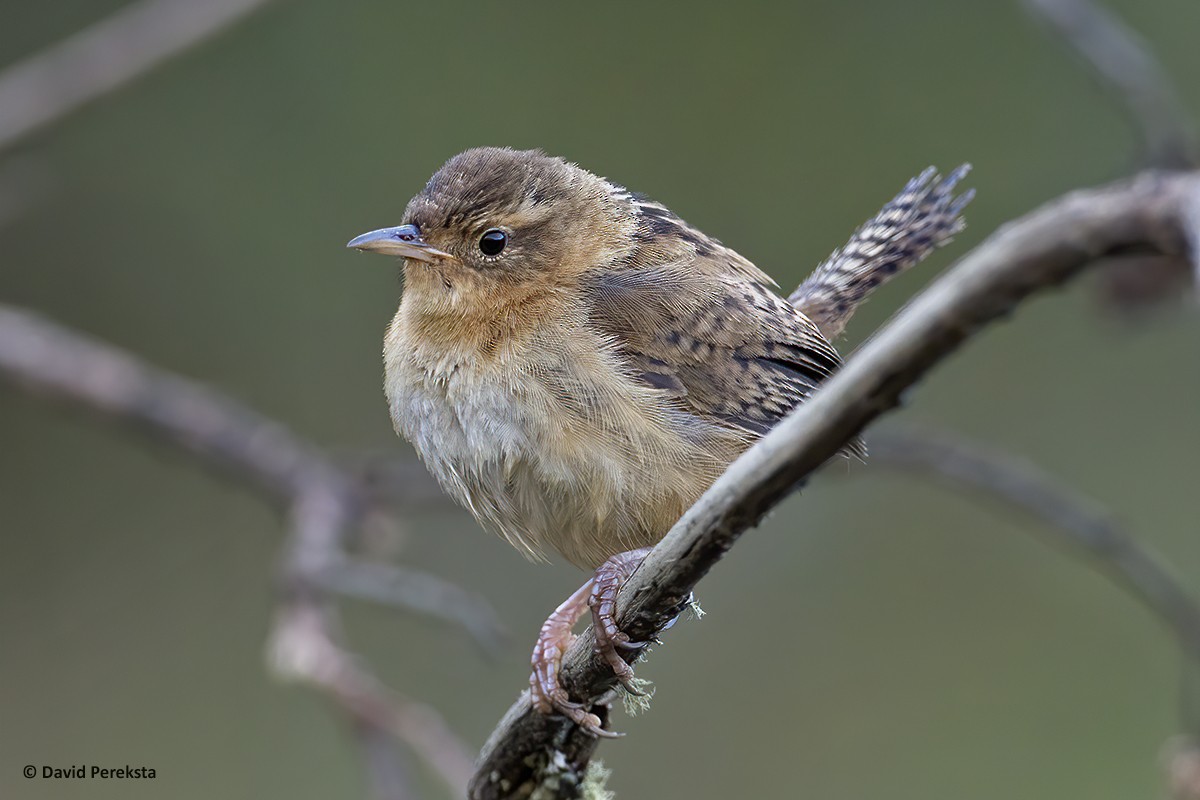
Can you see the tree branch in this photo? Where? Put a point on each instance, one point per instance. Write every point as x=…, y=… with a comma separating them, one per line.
x=48, y=359
x=1074, y=522
x=1127, y=69
x=413, y=590
x=528, y=751
x=1084, y=530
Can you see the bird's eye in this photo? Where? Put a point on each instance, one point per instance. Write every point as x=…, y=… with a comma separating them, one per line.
x=492, y=242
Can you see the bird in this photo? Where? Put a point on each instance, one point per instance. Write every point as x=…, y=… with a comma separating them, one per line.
x=576, y=364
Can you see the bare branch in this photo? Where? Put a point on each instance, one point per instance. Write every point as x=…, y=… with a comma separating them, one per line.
x=1124, y=65
x=1083, y=529
x=389, y=779
x=412, y=590
x=104, y=57
x=1191, y=214
x=303, y=648
x=1181, y=760
x=1038, y=251
x=324, y=502
x=1126, y=68
x=49, y=359
x=1075, y=522
x=405, y=482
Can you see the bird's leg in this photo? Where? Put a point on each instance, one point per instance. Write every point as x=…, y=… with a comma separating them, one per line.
x=555, y=637
x=600, y=595
x=608, y=579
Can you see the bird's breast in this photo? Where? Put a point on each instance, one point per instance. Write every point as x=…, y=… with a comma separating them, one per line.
x=554, y=446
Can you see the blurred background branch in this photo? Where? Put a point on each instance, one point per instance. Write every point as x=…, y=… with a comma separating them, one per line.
x=134, y=40
x=324, y=503
x=1125, y=66
x=1078, y=525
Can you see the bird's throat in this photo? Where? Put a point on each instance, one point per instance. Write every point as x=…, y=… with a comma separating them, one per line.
x=475, y=319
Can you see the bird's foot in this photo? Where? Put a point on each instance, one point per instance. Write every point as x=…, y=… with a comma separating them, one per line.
x=547, y=693
x=600, y=595
x=611, y=641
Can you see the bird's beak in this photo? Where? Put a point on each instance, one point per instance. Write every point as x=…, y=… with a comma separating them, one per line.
x=404, y=241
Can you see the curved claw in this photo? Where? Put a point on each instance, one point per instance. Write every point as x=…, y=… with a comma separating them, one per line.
x=563, y=705
x=584, y=719
x=602, y=733
x=634, y=647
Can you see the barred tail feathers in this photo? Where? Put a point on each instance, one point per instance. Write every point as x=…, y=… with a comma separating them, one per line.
x=924, y=216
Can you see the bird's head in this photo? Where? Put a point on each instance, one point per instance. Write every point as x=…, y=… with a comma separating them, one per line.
x=494, y=222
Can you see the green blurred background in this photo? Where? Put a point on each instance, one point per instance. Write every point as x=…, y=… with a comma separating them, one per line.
x=878, y=636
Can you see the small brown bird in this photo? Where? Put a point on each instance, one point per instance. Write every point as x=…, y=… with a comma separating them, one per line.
x=576, y=365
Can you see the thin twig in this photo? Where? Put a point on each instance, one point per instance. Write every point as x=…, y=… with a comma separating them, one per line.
x=388, y=776
x=409, y=589
x=1077, y=523
x=1191, y=214
x=1181, y=760
x=304, y=648
x=1125, y=66
x=104, y=57
x=324, y=504
x=403, y=481
x=1036, y=252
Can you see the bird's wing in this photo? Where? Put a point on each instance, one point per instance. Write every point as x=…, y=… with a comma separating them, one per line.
x=706, y=331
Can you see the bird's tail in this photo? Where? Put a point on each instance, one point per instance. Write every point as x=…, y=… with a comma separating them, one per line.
x=924, y=216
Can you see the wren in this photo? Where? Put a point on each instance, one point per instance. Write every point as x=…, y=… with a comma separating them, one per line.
x=576, y=365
